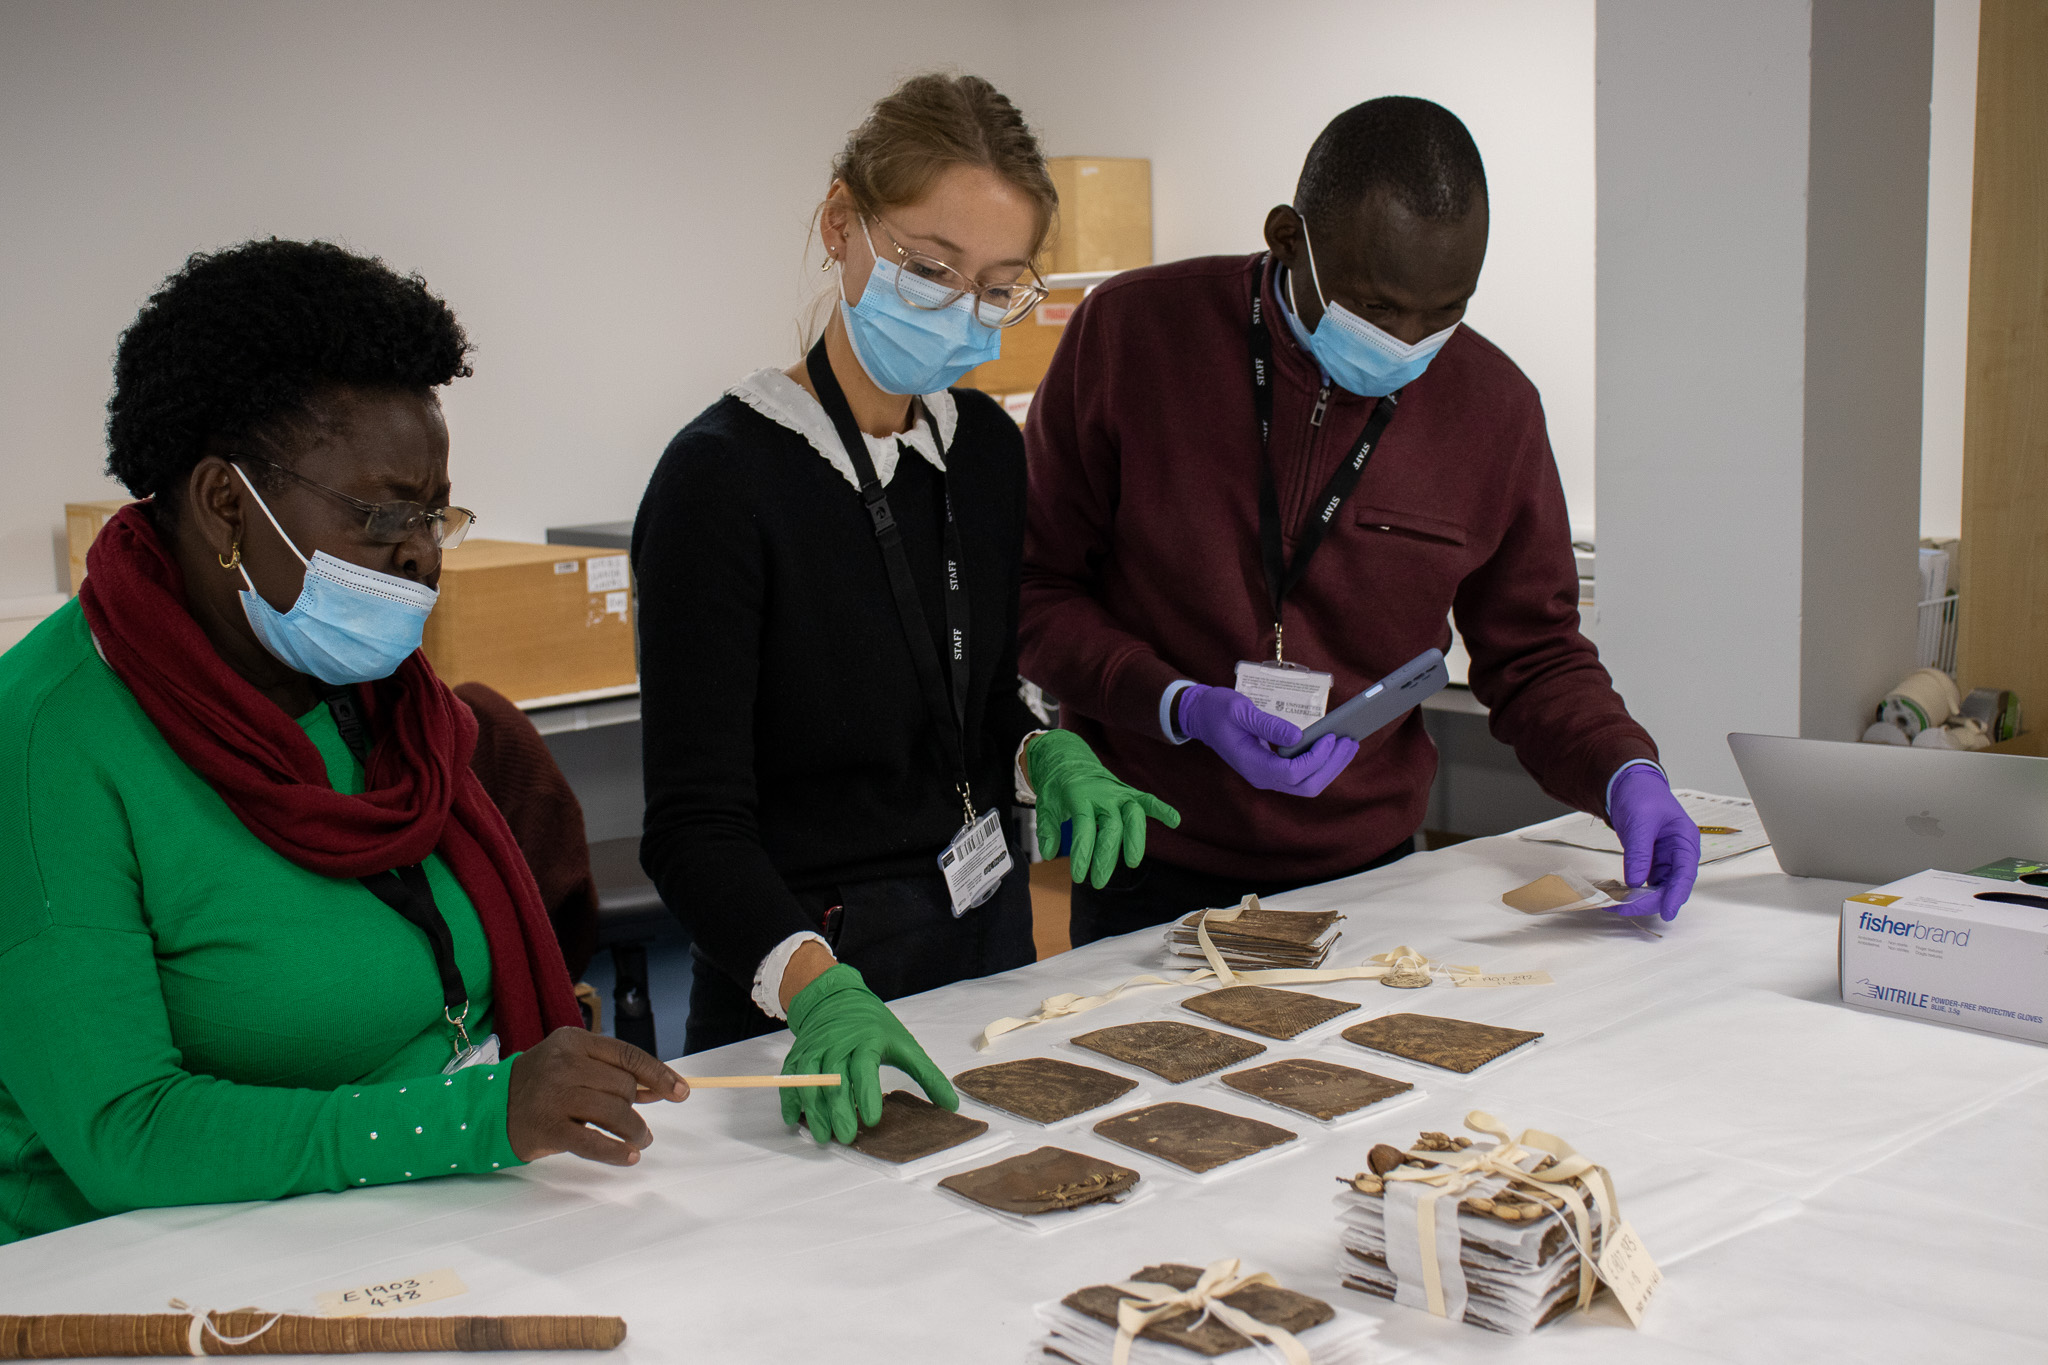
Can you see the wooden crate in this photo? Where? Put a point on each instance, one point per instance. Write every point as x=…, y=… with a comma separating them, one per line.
x=1027, y=348
x=533, y=621
x=82, y=522
x=1105, y=213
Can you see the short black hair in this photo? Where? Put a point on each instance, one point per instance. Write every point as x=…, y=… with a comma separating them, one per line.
x=241, y=343
x=1414, y=149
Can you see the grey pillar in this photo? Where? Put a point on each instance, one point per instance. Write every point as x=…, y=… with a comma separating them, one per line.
x=1762, y=256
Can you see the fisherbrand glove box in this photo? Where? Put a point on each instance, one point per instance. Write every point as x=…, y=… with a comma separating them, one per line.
x=1952, y=948
x=533, y=621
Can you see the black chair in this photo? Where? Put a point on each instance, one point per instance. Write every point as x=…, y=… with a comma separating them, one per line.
x=630, y=916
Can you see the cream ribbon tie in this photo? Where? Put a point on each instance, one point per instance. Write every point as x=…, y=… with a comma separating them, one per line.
x=1149, y=1302
x=1456, y=1172
x=203, y=1324
x=1373, y=968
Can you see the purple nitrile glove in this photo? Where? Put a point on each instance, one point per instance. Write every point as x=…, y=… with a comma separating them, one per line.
x=1660, y=845
x=1225, y=719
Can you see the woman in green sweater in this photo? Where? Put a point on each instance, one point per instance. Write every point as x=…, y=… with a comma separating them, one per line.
x=261, y=932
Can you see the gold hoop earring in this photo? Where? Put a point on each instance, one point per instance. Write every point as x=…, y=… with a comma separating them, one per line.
x=233, y=558
x=825, y=264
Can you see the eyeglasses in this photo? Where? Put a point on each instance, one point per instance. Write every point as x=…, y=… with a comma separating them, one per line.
x=995, y=305
x=391, y=523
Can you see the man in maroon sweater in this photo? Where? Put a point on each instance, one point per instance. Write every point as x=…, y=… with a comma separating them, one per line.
x=1146, y=590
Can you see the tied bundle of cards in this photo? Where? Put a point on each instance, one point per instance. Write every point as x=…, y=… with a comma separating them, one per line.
x=1256, y=937
x=1508, y=1255
x=1082, y=1328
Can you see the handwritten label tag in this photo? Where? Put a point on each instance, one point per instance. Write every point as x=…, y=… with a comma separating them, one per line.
x=615, y=603
x=371, y=1299
x=605, y=573
x=1505, y=979
x=1626, y=1267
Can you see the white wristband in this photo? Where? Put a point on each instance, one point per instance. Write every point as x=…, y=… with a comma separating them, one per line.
x=768, y=976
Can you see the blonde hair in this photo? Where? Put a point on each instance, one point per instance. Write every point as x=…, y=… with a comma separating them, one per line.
x=917, y=132
x=931, y=123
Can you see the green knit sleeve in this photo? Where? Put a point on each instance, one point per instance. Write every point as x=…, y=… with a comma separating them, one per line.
x=98, y=1103
x=86, y=1054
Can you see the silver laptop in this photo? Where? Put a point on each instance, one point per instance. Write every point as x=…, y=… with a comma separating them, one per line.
x=1873, y=813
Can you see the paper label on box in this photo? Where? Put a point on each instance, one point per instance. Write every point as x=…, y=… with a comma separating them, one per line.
x=1055, y=314
x=1626, y=1267
x=615, y=603
x=1505, y=979
x=370, y=1299
x=607, y=573
x=568, y=565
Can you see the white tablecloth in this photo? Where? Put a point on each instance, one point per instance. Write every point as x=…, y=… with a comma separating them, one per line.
x=1817, y=1182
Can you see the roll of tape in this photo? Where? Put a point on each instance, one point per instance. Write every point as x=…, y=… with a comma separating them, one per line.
x=1923, y=700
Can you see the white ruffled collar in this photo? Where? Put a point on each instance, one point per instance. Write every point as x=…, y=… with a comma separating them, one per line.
x=787, y=403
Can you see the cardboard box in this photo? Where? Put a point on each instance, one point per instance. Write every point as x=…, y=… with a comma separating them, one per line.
x=533, y=621
x=1105, y=213
x=1952, y=948
x=1027, y=348
x=82, y=522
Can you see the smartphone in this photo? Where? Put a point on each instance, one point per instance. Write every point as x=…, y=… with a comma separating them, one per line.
x=1380, y=705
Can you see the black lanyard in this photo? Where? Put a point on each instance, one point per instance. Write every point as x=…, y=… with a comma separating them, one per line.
x=1280, y=575
x=949, y=718
x=405, y=889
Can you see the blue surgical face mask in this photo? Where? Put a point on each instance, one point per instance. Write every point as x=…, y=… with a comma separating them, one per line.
x=350, y=624
x=911, y=350
x=1360, y=357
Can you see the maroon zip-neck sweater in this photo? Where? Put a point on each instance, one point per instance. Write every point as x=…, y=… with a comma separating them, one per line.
x=1141, y=565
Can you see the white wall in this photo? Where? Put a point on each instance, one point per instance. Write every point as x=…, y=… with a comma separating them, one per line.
x=614, y=196
x=1951, y=159
x=1226, y=98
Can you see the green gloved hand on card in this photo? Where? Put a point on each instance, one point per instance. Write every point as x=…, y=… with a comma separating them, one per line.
x=838, y=1024
x=1108, y=814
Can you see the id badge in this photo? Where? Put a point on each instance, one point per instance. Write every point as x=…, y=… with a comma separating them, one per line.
x=476, y=1054
x=1292, y=692
x=976, y=862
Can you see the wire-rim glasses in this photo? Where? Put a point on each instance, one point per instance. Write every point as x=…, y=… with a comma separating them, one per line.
x=995, y=305
x=391, y=523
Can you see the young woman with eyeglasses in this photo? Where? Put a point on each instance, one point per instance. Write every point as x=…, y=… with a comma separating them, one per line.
x=828, y=563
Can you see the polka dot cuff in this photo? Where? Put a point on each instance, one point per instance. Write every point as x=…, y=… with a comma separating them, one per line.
x=396, y=1131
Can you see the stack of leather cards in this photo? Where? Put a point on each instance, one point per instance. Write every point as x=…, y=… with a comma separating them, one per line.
x=1517, y=1261
x=1260, y=938
x=1081, y=1329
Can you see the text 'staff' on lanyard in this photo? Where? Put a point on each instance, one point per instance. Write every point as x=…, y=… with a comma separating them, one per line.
x=407, y=891
x=1281, y=576
x=976, y=861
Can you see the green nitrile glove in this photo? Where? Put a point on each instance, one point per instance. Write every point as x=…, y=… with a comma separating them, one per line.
x=840, y=1025
x=1073, y=785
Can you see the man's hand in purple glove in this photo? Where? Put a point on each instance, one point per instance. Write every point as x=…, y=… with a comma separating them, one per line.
x=1660, y=845
x=1225, y=719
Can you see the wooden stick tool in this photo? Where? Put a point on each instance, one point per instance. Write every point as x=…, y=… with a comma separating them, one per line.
x=246, y=1332
x=827, y=1078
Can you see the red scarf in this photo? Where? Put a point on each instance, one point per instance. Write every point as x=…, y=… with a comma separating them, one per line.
x=420, y=796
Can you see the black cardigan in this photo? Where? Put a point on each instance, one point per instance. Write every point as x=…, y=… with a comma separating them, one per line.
x=787, y=744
